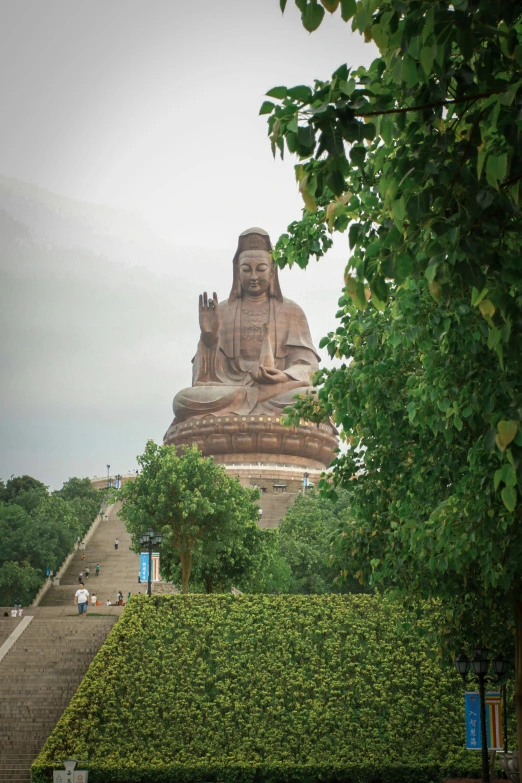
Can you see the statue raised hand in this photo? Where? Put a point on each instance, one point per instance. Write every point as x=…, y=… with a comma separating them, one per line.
x=208, y=319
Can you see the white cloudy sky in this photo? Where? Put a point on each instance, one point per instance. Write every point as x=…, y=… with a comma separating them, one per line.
x=149, y=112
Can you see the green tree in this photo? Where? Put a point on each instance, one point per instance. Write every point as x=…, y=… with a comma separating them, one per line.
x=419, y=157
x=234, y=557
x=18, y=582
x=304, y=541
x=194, y=504
x=42, y=538
x=18, y=485
x=84, y=499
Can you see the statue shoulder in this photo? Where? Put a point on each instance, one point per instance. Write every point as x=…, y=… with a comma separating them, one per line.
x=293, y=307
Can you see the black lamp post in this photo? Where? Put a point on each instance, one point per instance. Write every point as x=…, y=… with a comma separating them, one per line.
x=479, y=666
x=150, y=539
x=108, y=476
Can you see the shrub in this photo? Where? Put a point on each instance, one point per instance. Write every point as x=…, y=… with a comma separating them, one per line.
x=273, y=688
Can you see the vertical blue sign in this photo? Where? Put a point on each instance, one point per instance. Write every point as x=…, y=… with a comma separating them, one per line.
x=493, y=721
x=144, y=566
x=472, y=703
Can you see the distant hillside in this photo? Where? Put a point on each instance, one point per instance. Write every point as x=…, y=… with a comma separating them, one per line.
x=64, y=223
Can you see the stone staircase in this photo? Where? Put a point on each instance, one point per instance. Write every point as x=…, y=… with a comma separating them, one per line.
x=45, y=665
x=274, y=508
x=38, y=677
x=119, y=568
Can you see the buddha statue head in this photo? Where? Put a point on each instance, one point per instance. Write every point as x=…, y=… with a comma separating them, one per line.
x=254, y=272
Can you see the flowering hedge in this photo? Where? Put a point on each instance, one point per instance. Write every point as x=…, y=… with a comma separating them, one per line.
x=276, y=688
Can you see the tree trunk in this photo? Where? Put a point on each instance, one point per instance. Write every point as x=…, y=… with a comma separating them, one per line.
x=186, y=568
x=208, y=585
x=518, y=672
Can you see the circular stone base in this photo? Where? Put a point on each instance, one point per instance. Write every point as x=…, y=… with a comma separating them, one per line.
x=256, y=439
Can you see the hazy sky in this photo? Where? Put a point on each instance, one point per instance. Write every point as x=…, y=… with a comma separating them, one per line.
x=149, y=111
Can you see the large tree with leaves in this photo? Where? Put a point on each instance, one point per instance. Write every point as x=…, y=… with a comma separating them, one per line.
x=192, y=501
x=419, y=158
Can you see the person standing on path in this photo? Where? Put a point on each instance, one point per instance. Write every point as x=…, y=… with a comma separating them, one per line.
x=81, y=598
x=87, y=572
x=80, y=577
x=97, y=569
x=116, y=543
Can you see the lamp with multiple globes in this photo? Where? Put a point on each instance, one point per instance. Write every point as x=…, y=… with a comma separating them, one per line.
x=479, y=665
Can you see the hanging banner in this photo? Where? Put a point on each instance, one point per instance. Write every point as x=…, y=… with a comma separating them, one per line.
x=493, y=721
x=144, y=567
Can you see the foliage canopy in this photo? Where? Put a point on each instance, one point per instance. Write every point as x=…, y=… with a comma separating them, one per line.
x=207, y=519
x=418, y=158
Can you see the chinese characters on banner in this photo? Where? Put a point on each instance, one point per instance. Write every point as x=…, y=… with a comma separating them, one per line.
x=493, y=721
x=144, y=567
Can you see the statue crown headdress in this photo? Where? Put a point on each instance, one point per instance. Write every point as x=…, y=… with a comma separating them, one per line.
x=253, y=239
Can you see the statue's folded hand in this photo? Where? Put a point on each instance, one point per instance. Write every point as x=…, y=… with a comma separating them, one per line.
x=269, y=375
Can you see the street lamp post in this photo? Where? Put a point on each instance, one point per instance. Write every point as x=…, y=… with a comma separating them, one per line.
x=479, y=666
x=150, y=539
x=108, y=476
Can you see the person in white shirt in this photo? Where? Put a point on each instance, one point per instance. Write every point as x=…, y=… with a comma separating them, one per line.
x=81, y=598
x=93, y=600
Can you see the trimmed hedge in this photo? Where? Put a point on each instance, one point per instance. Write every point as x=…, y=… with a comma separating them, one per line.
x=273, y=688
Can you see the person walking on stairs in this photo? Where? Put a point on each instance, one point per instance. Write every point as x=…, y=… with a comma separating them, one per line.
x=80, y=577
x=87, y=572
x=81, y=598
x=116, y=543
x=97, y=569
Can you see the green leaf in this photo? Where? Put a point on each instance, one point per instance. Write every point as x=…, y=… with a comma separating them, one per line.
x=496, y=169
x=353, y=234
x=509, y=498
x=398, y=211
x=409, y=72
x=355, y=290
x=277, y=92
x=330, y=5
x=357, y=155
x=312, y=16
x=426, y=59
x=488, y=309
x=509, y=476
x=266, y=107
x=481, y=157
x=282, y=5
x=300, y=93
x=506, y=431
x=477, y=296
x=403, y=267
x=348, y=8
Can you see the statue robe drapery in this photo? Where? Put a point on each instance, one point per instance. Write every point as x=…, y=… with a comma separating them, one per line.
x=222, y=379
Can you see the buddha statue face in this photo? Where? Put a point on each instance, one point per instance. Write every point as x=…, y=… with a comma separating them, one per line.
x=256, y=271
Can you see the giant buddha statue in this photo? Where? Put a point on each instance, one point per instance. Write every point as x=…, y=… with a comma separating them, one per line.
x=255, y=353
